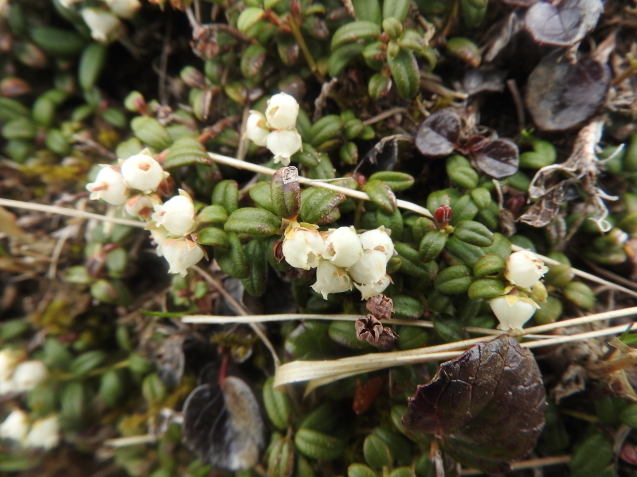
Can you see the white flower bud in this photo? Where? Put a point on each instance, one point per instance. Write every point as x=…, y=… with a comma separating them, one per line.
x=15, y=426
x=142, y=205
x=44, y=433
x=181, y=254
x=303, y=247
x=177, y=215
x=524, y=269
x=9, y=359
x=343, y=247
x=256, y=129
x=109, y=186
x=370, y=268
x=283, y=144
x=282, y=111
x=28, y=375
x=373, y=289
x=378, y=239
x=331, y=279
x=512, y=311
x=123, y=8
x=104, y=25
x=142, y=172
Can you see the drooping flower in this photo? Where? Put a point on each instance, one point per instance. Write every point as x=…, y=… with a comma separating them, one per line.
x=44, y=433
x=9, y=359
x=370, y=268
x=373, y=289
x=331, y=279
x=282, y=111
x=512, y=311
x=181, y=254
x=109, y=186
x=283, y=144
x=378, y=239
x=524, y=269
x=104, y=25
x=256, y=129
x=124, y=8
x=177, y=215
x=159, y=235
x=141, y=205
x=303, y=247
x=343, y=247
x=15, y=426
x=142, y=172
x=29, y=374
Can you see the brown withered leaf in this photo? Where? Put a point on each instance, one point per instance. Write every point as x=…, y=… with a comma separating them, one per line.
x=486, y=407
x=438, y=135
x=546, y=209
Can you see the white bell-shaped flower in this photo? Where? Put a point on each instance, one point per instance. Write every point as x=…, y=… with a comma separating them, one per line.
x=177, y=215
x=282, y=111
x=524, y=269
x=109, y=186
x=256, y=128
x=181, y=254
x=159, y=235
x=142, y=172
x=373, y=289
x=370, y=268
x=15, y=426
x=104, y=25
x=512, y=311
x=378, y=239
x=142, y=205
x=29, y=374
x=9, y=359
x=343, y=247
x=283, y=144
x=303, y=247
x=331, y=279
x=124, y=8
x=44, y=433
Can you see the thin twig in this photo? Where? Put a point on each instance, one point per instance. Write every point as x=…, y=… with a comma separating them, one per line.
x=303, y=180
x=237, y=307
x=131, y=440
x=385, y=114
x=54, y=209
x=528, y=464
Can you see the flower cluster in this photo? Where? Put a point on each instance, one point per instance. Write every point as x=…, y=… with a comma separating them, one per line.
x=276, y=130
x=523, y=271
x=342, y=258
x=133, y=183
x=104, y=22
x=44, y=433
x=18, y=376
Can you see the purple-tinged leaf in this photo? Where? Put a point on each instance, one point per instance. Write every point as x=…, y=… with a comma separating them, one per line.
x=561, y=95
x=438, y=135
x=486, y=407
x=223, y=424
x=520, y=3
x=564, y=24
x=499, y=158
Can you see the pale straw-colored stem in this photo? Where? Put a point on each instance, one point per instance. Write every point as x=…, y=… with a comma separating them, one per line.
x=131, y=440
x=526, y=464
x=54, y=209
x=229, y=161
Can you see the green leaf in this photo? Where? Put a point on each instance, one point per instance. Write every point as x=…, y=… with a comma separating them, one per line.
x=213, y=236
x=367, y=10
x=281, y=459
x=277, y=405
x=255, y=283
x=186, y=151
x=343, y=333
x=473, y=233
x=233, y=261
x=86, y=362
x=381, y=195
x=319, y=206
x=404, y=71
x=151, y=132
x=592, y=456
x=253, y=221
x=395, y=9
x=343, y=56
x=397, y=181
x=248, y=18
x=453, y=280
x=215, y=214
x=321, y=419
x=91, y=64
x=57, y=41
x=316, y=445
x=376, y=452
x=360, y=470
x=226, y=194
x=353, y=31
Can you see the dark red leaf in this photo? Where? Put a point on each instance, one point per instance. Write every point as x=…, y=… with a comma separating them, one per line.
x=564, y=23
x=438, y=135
x=486, y=407
x=561, y=95
x=499, y=158
x=223, y=424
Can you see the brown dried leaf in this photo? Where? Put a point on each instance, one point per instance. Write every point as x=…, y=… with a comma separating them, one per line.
x=486, y=407
x=499, y=158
